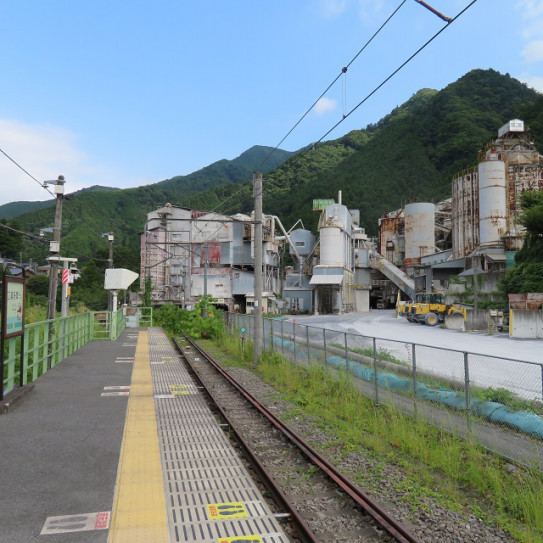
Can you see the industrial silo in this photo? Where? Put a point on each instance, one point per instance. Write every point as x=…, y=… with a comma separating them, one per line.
x=419, y=232
x=492, y=202
x=332, y=243
x=304, y=242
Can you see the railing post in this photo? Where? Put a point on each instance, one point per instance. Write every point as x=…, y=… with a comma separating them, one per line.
x=375, y=370
x=22, y=368
x=324, y=343
x=467, y=390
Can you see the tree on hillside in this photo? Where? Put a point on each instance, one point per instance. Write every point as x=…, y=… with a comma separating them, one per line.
x=89, y=288
x=527, y=275
x=11, y=243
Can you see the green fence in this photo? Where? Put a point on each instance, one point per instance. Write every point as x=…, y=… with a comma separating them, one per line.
x=47, y=343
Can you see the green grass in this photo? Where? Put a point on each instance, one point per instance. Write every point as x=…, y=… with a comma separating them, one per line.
x=456, y=473
x=382, y=354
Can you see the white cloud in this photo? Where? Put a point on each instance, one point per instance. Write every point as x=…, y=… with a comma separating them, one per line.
x=368, y=9
x=533, y=52
x=530, y=8
x=330, y=9
x=324, y=105
x=533, y=81
x=45, y=152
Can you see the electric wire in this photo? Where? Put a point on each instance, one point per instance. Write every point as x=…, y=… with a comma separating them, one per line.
x=345, y=116
x=419, y=50
x=27, y=173
x=334, y=81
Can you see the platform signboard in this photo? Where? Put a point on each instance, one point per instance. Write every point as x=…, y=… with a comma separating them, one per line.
x=13, y=312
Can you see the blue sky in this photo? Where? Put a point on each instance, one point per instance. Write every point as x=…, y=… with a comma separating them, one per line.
x=130, y=93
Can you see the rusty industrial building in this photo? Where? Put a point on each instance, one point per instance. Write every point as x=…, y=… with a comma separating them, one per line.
x=478, y=227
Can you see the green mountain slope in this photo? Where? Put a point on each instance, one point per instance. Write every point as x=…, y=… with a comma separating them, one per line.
x=89, y=213
x=226, y=171
x=411, y=154
x=13, y=209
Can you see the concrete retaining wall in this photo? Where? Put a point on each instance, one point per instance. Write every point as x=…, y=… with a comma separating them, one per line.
x=526, y=323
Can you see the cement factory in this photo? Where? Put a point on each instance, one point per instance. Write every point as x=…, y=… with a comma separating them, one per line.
x=187, y=253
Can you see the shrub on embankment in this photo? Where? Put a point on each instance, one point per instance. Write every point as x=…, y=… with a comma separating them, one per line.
x=176, y=320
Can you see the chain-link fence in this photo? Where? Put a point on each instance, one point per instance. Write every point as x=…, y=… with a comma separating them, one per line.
x=450, y=388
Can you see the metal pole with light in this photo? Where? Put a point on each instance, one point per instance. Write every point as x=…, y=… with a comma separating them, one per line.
x=54, y=246
x=110, y=237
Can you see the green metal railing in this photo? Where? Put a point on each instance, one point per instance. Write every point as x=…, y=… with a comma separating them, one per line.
x=45, y=344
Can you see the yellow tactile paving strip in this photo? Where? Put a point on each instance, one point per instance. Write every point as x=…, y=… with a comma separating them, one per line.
x=139, y=509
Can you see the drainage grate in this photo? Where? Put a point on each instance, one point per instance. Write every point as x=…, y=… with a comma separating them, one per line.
x=209, y=494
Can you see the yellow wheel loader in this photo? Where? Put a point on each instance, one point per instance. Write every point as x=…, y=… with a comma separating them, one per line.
x=430, y=309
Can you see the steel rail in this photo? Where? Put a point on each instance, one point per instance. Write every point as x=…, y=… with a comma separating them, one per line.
x=301, y=530
x=372, y=508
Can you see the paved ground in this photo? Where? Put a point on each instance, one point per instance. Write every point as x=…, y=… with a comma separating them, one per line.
x=59, y=449
x=487, y=369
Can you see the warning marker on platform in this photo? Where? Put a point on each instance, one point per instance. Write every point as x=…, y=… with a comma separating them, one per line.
x=179, y=390
x=216, y=511
x=241, y=539
x=76, y=523
x=115, y=394
x=121, y=387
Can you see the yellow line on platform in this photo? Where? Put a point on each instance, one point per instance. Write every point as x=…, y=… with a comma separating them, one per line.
x=139, y=507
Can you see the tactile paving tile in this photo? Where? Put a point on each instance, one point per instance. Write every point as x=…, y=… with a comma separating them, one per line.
x=209, y=494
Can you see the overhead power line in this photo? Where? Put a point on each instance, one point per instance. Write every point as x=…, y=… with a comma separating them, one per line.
x=302, y=153
x=421, y=48
x=27, y=173
x=334, y=81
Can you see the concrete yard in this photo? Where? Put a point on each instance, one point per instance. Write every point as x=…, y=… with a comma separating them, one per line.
x=493, y=366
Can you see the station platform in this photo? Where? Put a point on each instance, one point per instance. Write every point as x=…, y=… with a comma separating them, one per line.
x=117, y=444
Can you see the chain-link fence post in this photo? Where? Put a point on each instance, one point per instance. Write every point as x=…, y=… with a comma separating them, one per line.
x=375, y=370
x=282, y=339
x=346, y=355
x=272, y=346
x=324, y=343
x=294, y=339
x=264, y=333
x=307, y=339
x=414, y=359
x=467, y=390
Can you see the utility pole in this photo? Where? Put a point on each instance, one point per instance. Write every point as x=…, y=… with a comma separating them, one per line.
x=54, y=247
x=257, y=193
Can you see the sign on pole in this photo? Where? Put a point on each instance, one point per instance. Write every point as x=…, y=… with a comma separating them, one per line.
x=65, y=276
x=13, y=323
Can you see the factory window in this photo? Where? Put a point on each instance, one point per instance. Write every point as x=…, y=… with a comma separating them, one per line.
x=299, y=244
x=236, y=275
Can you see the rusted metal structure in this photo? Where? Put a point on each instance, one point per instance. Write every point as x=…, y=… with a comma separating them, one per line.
x=486, y=200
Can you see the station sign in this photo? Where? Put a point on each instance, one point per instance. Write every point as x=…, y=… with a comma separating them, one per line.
x=13, y=312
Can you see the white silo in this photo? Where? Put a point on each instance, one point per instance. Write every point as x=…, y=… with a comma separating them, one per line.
x=332, y=243
x=492, y=202
x=419, y=231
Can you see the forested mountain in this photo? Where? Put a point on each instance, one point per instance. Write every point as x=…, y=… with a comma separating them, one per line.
x=13, y=209
x=411, y=154
x=90, y=212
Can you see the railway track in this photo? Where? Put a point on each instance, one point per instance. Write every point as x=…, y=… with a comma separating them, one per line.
x=321, y=503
